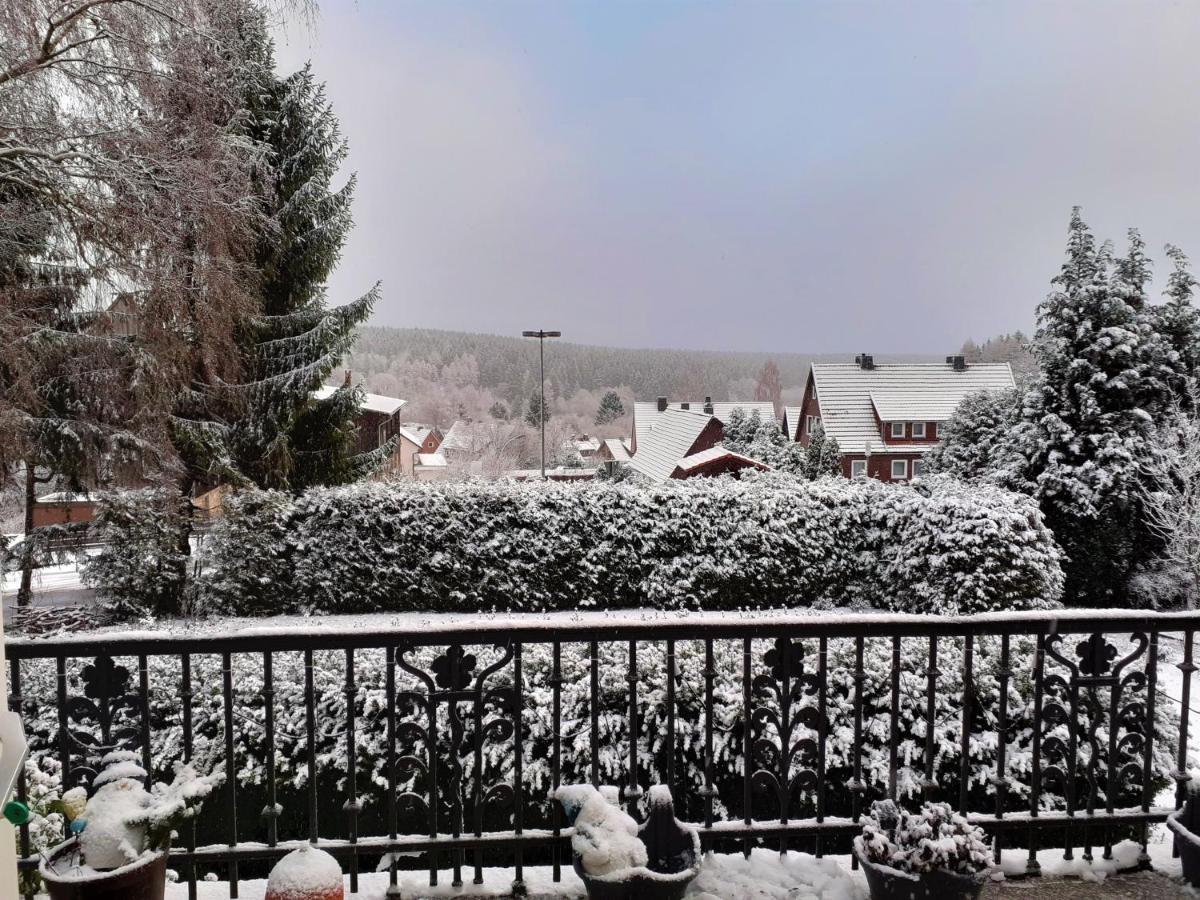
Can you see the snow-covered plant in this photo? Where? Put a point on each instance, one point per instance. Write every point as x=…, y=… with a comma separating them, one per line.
x=140, y=569
x=936, y=838
x=770, y=541
x=122, y=820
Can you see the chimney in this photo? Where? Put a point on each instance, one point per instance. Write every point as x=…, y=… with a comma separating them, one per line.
x=347, y=381
x=959, y=363
x=662, y=404
x=708, y=407
x=865, y=361
x=685, y=405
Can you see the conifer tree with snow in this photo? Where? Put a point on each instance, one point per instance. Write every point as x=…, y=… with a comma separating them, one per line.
x=537, y=412
x=1176, y=322
x=611, y=408
x=1086, y=419
x=822, y=456
x=977, y=442
x=763, y=441
x=269, y=429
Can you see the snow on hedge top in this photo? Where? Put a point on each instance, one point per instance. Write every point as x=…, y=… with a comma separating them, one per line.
x=762, y=542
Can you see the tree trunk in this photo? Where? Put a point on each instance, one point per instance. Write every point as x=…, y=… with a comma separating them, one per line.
x=25, y=593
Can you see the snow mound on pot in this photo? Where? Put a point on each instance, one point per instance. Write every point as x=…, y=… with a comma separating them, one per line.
x=767, y=876
x=306, y=873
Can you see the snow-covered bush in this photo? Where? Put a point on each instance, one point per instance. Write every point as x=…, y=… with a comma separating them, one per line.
x=140, y=569
x=936, y=838
x=769, y=541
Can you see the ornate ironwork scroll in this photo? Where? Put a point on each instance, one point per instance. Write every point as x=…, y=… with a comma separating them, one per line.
x=774, y=719
x=476, y=714
x=1105, y=720
x=106, y=717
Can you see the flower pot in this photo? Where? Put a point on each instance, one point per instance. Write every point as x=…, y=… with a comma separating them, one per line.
x=1185, y=823
x=66, y=879
x=673, y=850
x=892, y=884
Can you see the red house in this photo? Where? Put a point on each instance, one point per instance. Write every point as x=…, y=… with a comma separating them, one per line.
x=686, y=443
x=886, y=417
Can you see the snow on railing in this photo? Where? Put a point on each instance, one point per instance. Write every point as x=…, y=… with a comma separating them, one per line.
x=430, y=741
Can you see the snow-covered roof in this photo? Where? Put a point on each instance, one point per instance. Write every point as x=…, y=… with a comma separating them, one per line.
x=661, y=448
x=415, y=434
x=67, y=497
x=645, y=413
x=791, y=417
x=587, y=445
x=712, y=454
x=431, y=459
x=376, y=403
x=849, y=395
x=617, y=449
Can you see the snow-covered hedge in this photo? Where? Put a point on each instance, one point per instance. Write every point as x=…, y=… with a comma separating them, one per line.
x=713, y=543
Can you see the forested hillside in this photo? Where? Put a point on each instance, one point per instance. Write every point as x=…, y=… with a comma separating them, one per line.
x=482, y=369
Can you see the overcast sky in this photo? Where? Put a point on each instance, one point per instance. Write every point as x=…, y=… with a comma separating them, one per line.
x=891, y=177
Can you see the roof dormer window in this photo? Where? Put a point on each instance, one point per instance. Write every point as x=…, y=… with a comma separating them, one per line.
x=897, y=429
x=918, y=429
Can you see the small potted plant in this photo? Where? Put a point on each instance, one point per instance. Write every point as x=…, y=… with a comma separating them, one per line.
x=618, y=860
x=122, y=832
x=935, y=854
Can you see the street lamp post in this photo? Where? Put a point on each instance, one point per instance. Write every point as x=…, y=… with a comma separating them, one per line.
x=541, y=336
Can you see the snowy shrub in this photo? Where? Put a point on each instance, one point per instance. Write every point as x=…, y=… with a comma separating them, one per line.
x=762, y=542
x=140, y=569
x=936, y=838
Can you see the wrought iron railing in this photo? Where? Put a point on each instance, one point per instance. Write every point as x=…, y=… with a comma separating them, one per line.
x=447, y=741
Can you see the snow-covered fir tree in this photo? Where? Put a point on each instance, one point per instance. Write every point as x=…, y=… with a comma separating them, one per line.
x=286, y=437
x=1088, y=416
x=822, y=456
x=977, y=442
x=611, y=408
x=538, y=411
x=763, y=441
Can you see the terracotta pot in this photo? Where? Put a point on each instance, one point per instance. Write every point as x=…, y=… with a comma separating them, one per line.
x=145, y=879
x=891, y=884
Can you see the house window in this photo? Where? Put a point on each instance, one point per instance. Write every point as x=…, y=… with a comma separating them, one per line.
x=858, y=468
x=918, y=468
x=897, y=429
x=918, y=429
x=899, y=469
x=937, y=430
x=810, y=423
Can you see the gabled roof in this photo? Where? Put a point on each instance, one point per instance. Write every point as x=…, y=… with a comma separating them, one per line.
x=849, y=396
x=617, y=449
x=376, y=403
x=415, y=434
x=671, y=438
x=645, y=412
x=791, y=417
x=712, y=454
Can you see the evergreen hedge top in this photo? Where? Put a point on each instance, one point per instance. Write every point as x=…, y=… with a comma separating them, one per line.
x=715, y=544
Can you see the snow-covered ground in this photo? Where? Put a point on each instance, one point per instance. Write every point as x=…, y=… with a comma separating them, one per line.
x=764, y=876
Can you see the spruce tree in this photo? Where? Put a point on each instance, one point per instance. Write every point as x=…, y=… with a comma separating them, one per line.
x=611, y=408
x=269, y=429
x=536, y=413
x=1177, y=324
